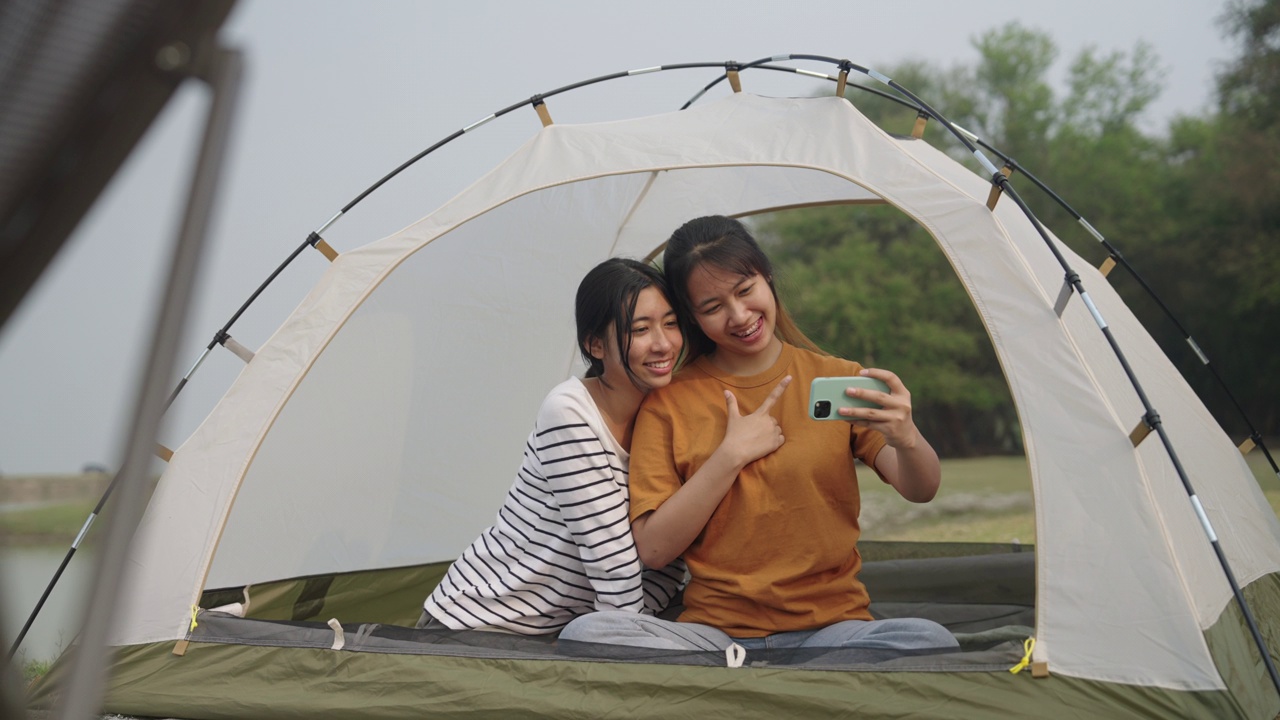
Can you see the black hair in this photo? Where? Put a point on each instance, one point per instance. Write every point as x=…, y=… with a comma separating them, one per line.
x=608, y=295
x=725, y=243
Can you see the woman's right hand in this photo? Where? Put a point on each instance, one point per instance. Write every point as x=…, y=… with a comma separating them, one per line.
x=750, y=437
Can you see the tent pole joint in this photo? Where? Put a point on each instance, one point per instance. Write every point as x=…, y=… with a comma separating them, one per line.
x=917, y=130
x=1150, y=421
x=540, y=106
x=731, y=69
x=317, y=242
x=842, y=82
x=1069, y=282
x=996, y=188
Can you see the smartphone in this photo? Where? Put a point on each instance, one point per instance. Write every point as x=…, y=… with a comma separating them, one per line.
x=826, y=395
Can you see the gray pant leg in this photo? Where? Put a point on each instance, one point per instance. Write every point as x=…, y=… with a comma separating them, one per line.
x=895, y=634
x=615, y=627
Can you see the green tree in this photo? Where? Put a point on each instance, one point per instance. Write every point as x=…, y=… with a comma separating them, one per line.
x=1219, y=254
x=1195, y=210
x=869, y=284
x=1249, y=89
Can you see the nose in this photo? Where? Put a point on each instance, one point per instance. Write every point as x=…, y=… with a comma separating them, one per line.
x=738, y=312
x=663, y=341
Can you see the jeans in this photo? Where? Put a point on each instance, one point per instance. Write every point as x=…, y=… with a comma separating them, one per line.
x=615, y=627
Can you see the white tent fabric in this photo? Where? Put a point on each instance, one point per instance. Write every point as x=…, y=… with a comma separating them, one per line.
x=382, y=423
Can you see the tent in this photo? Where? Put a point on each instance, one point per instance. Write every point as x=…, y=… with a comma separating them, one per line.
x=285, y=554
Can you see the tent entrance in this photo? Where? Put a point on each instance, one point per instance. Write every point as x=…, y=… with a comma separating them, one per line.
x=984, y=593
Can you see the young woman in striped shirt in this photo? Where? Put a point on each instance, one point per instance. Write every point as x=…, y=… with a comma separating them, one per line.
x=561, y=546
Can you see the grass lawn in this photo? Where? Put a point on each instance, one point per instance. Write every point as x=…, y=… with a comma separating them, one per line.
x=50, y=525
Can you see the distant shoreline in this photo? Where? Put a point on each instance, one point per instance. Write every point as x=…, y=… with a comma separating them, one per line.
x=47, y=510
x=53, y=488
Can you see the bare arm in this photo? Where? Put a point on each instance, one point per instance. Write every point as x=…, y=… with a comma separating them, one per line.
x=909, y=462
x=665, y=533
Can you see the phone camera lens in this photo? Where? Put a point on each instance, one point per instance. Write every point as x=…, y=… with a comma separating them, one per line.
x=822, y=409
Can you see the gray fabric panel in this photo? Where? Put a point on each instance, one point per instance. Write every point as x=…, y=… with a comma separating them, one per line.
x=958, y=618
x=1007, y=579
x=877, y=550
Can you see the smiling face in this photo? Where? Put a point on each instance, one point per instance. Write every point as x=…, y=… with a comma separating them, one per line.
x=738, y=313
x=655, y=343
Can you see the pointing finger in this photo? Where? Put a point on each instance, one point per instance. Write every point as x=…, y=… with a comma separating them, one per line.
x=773, y=396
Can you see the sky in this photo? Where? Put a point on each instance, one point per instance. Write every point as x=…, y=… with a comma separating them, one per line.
x=337, y=94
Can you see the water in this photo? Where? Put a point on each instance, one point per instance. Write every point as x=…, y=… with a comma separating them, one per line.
x=24, y=574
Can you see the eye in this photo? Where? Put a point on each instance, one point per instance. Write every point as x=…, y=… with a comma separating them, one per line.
x=746, y=290
x=639, y=329
x=710, y=310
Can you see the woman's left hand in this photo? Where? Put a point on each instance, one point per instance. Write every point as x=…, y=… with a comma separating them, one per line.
x=893, y=417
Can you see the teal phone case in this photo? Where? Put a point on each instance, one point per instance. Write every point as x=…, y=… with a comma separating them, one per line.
x=826, y=395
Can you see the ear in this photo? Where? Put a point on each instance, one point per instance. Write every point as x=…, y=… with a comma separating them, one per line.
x=595, y=346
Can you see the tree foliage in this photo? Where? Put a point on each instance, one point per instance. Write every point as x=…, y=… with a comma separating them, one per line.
x=872, y=285
x=1195, y=209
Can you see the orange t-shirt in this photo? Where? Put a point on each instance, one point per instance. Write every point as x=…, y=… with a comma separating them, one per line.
x=780, y=551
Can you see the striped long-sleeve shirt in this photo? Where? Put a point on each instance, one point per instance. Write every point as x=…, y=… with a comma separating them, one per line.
x=561, y=546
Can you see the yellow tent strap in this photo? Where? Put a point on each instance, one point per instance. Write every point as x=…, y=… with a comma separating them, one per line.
x=1029, y=644
x=180, y=647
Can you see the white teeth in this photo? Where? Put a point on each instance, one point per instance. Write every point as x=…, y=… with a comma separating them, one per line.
x=750, y=331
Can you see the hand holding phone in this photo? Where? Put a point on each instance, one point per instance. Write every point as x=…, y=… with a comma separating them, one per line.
x=827, y=396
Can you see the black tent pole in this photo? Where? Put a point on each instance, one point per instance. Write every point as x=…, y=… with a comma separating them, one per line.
x=1152, y=419
x=1150, y=416
x=57, y=575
